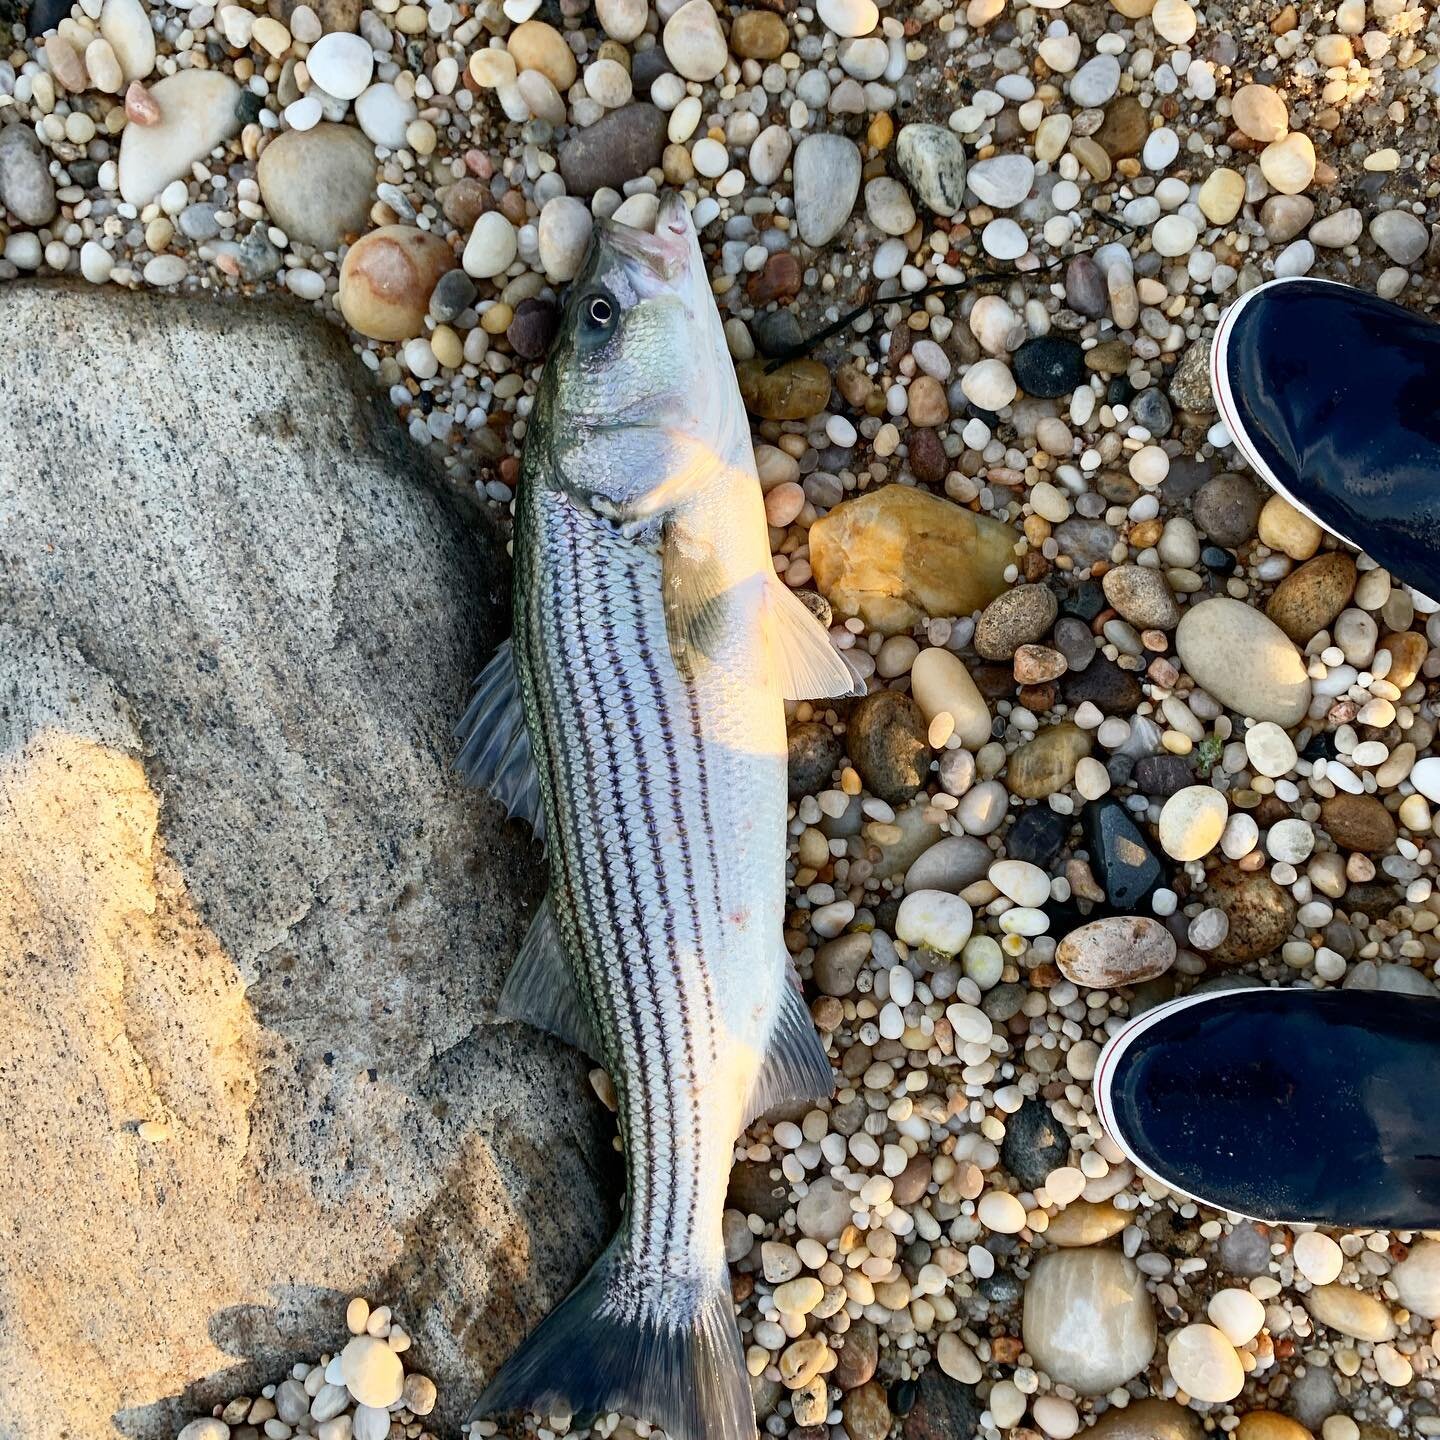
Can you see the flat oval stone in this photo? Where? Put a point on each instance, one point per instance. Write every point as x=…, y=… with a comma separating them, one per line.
x=318, y=184
x=1352, y=1312
x=826, y=168
x=1149, y=1419
x=1309, y=599
x=1088, y=1320
x=1047, y=763
x=1244, y=660
x=1084, y=1222
x=941, y=684
x=1192, y=822
x=1205, y=1364
x=1417, y=1279
x=199, y=109
x=1260, y=913
x=619, y=147
x=1116, y=950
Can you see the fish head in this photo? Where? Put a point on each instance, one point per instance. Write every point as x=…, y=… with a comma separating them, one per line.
x=638, y=406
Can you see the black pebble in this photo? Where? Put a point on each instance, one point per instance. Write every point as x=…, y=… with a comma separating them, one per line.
x=1037, y=836
x=44, y=15
x=1049, y=366
x=1083, y=601
x=813, y=754
x=248, y=107
x=1119, y=390
x=1001, y=1288
x=1120, y=856
x=1320, y=747
x=1035, y=1144
x=1217, y=561
x=1160, y=776
x=777, y=331
x=533, y=327
x=1113, y=690
x=902, y=1397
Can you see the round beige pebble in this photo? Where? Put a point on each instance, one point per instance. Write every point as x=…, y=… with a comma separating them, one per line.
x=799, y=1296
x=1000, y=1211
x=357, y=1314
x=1192, y=822
x=1282, y=527
x=1222, y=195
x=1289, y=164
x=372, y=1371
x=1260, y=112
x=1237, y=1314
x=1205, y=1365
x=1318, y=1258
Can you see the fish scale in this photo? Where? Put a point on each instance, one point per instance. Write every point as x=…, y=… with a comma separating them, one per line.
x=636, y=719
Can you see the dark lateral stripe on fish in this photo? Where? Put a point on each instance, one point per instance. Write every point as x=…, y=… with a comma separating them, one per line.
x=635, y=737
x=703, y=785
x=689, y=870
x=638, y=1043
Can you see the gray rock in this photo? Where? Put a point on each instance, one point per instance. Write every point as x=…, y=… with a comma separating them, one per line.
x=244, y=894
x=257, y=256
x=1002, y=181
x=1400, y=235
x=1085, y=289
x=1313, y=1396
x=26, y=189
x=1151, y=409
x=1244, y=1250
x=318, y=184
x=1227, y=509
x=614, y=150
x=827, y=180
x=932, y=159
x=1096, y=81
x=198, y=222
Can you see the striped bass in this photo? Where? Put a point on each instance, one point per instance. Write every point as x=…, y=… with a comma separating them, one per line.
x=636, y=718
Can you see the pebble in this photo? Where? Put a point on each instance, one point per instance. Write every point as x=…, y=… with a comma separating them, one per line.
x=318, y=185
x=198, y=111
x=887, y=740
x=341, y=64
x=385, y=115
x=1400, y=235
x=848, y=18
x=1352, y=1312
x=694, y=43
x=935, y=919
x=1095, y=81
x=888, y=206
x=1417, y=1279
x=1142, y=596
x=1046, y=366
x=1260, y=113
x=941, y=685
x=126, y=28
x=27, y=190
x=827, y=180
x=1318, y=1258
x=1114, y=951
x=1244, y=660
x=372, y=1372
x=386, y=280
x=1288, y=165
x=1311, y=597
x=609, y=154
x=1237, y=1314
x=1088, y=1320
x=1192, y=821
x=932, y=159
x=491, y=248
x=1002, y=181
x=564, y=236
x=1204, y=1364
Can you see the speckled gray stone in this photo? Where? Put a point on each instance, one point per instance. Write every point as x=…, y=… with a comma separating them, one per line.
x=244, y=894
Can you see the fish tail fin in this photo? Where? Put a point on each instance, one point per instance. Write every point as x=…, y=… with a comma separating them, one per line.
x=668, y=1353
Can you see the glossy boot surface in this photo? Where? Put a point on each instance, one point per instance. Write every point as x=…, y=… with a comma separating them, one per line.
x=1333, y=397
x=1284, y=1105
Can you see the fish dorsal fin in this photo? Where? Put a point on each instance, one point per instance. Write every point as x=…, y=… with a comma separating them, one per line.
x=806, y=666
x=541, y=988
x=495, y=746
x=693, y=585
x=795, y=1067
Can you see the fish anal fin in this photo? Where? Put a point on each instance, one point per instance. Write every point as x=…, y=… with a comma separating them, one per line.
x=541, y=988
x=666, y=1348
x=796, y=1068
x=804, y=663
x=495, y=749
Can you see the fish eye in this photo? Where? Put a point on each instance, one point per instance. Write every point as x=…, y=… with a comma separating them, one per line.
x=598, y=317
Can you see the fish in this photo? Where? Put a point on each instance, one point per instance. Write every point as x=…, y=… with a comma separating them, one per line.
x=636, y=718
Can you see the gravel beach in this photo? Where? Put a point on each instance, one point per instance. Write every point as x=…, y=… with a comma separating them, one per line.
x=1135, y=724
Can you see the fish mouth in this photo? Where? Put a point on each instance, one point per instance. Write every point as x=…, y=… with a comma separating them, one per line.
x=668, y=250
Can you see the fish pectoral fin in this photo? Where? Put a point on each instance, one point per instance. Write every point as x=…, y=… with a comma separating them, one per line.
x=796, y=1067
x=693, y=585
x=806, y=666
x=495, y=749
x=541, y=989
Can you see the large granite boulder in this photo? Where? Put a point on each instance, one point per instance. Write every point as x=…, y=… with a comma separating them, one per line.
x=252, y=931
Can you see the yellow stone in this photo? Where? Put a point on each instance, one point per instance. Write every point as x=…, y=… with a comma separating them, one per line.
x=795, y=390
x=1133, y=9
x=446, y=344
x=1282, y=527
x=1085, y=1223
x=898, y=554
x=386, y=280
x=1260, y=112
x=1222, y=195
x=538, y=46
x=1092, y=156
x=1269, y=1425
x=1047, y=763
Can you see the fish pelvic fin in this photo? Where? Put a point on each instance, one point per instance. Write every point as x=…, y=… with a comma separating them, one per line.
x=796, y=1068
x=625, y=1340
x=805, y=664
x=495, y=752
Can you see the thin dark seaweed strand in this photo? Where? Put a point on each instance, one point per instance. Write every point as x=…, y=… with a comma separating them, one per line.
x=955, y=287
